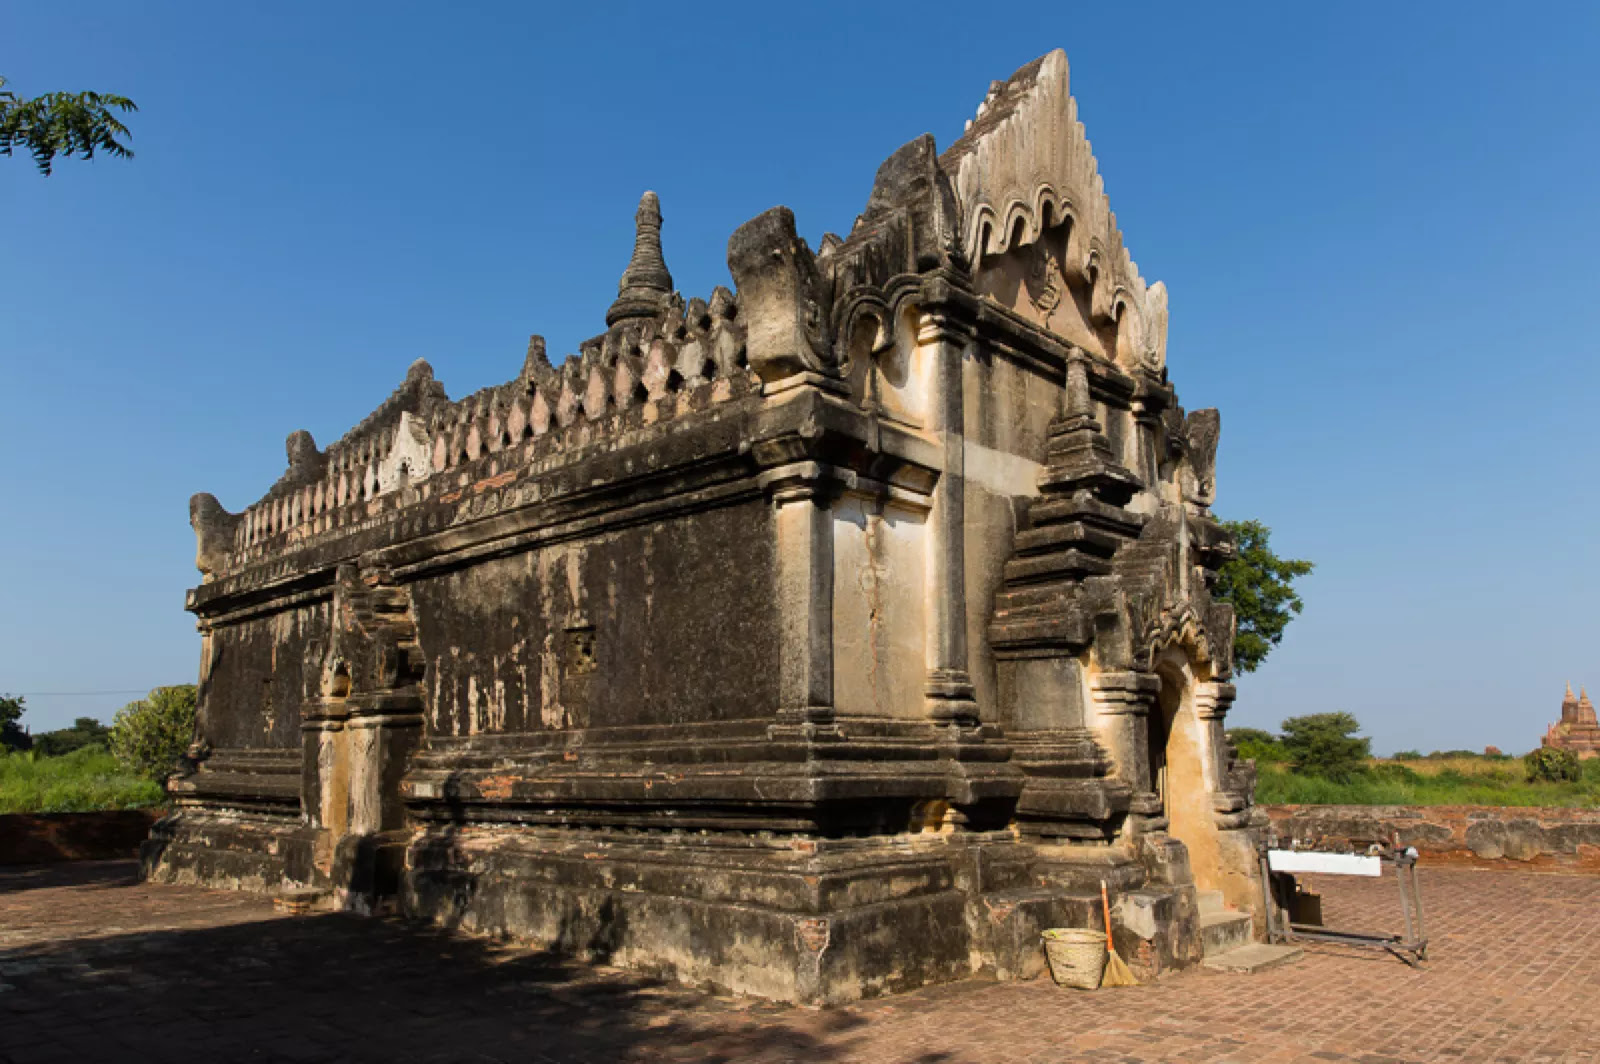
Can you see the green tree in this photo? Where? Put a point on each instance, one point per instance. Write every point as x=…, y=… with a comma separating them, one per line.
x=1257, y=745
x=1260, y=587
x=147, y=736
x=1326, y=744
x=63, y=123
x=85, y=731
x=1550, y=764
x=13, y=736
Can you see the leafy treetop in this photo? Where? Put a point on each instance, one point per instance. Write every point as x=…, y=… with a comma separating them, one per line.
x=1259, y=585
x=149, y=735
x=1326, y=744
x=63, y=123
x=1548, y=764
x=12, y=735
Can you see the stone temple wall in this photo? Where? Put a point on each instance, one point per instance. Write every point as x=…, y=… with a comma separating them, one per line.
x=822, y=638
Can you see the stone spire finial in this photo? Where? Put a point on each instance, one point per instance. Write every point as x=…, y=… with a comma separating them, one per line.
x=646, y=285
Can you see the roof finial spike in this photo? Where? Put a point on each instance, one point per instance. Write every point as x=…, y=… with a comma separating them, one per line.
x=646, y=285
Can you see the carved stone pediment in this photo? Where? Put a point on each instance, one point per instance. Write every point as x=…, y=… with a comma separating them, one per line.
x=1038, y=229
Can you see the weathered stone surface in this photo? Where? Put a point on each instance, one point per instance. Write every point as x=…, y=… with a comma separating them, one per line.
x=817, y=640
x=1464, y=834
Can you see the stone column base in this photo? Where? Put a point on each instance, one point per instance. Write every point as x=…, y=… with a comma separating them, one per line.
x=352, y=873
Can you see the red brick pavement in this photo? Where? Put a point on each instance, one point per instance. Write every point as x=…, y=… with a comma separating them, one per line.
x=95, y=966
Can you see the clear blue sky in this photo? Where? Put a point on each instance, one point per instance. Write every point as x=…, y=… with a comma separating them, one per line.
x=1379, y=225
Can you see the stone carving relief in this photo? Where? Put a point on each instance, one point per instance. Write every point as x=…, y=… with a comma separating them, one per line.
x=1045, y=283
x=784, y=298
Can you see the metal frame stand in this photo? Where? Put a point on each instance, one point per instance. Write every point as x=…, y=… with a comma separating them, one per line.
x=1412, y=947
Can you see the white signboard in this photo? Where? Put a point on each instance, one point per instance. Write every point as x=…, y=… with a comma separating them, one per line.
x=1333, y=864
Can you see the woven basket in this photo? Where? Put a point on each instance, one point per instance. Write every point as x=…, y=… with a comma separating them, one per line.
x=1077, y=956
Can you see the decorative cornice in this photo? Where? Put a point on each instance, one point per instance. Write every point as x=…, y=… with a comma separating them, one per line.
x=1124, y=692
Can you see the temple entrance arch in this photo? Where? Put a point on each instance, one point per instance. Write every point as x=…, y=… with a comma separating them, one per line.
x=1181, y=767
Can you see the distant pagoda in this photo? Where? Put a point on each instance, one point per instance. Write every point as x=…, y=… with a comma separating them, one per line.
x=1577, y=730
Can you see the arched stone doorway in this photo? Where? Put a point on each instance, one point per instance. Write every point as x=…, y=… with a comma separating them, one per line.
x=1182, y=768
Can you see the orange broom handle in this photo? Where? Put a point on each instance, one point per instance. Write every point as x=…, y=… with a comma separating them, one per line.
x=1105, y=906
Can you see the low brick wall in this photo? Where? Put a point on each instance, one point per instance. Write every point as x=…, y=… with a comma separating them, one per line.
x=1481, y=835
x=44, y=838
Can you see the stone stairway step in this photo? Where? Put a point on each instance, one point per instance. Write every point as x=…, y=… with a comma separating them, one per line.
x=1224, y=931
x=1255, y=957
x=1210, y=901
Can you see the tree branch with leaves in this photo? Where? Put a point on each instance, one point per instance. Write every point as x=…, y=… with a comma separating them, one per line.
x=1260, y=587
x=63, y=124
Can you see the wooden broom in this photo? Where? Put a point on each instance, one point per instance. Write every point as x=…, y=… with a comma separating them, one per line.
x=1117, y=973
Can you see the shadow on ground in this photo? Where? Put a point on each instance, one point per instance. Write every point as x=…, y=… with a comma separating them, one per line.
x=347, y=988
x=88, y=875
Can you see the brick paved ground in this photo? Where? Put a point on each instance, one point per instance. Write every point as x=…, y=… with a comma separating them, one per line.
x=95, y=966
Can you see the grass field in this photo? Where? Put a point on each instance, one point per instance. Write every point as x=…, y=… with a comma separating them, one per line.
x=1442, y=781
x=81, y=781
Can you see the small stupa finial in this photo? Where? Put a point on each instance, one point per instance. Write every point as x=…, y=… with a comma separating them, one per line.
x=646, y=285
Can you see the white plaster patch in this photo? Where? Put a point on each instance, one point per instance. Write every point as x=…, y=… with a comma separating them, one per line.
x=408, y=458
x=879, y=635
x=1136, y=911
x=1000, y=471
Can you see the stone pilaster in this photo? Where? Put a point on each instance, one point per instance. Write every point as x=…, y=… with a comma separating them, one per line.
x=1212, y=700
x=1149, y=438
x=1122, y=703
x=949, y=692
x=802, y=493
x=356, y=738
x=381, y=735
x=323, y=786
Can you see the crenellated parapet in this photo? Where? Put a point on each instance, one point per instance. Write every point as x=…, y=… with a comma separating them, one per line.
x=647, y=369
x=365, y=462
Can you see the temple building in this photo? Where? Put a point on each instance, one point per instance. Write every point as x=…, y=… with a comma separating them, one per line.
x=822, y=638
x=1577, y=730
